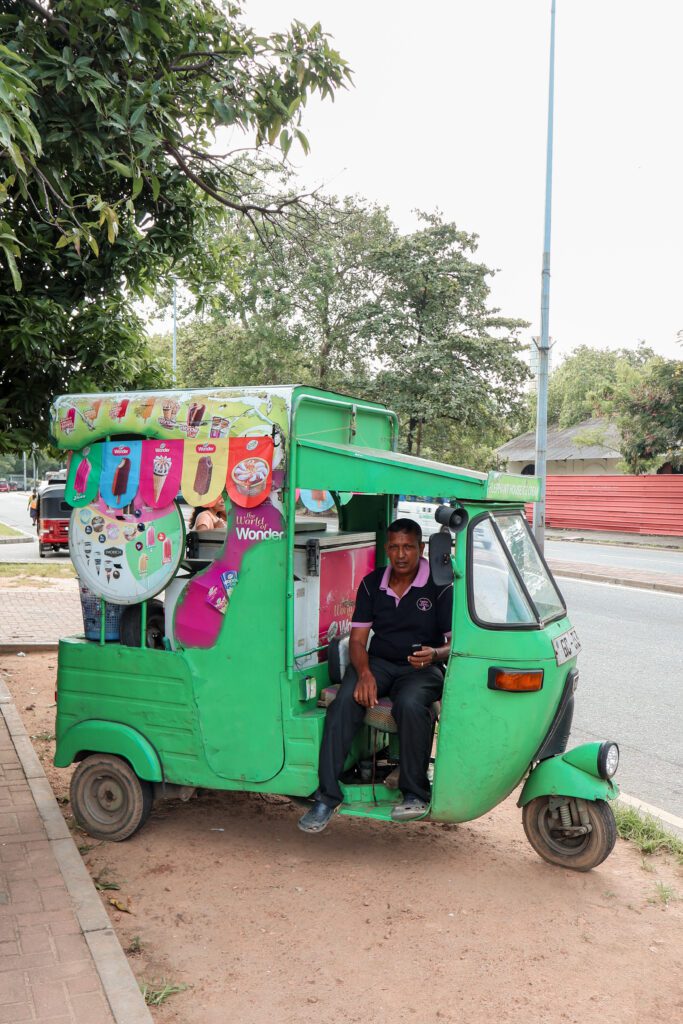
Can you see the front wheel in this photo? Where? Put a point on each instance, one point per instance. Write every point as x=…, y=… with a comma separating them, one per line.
x=554, y=831
x=41, y=550
x=109, y=801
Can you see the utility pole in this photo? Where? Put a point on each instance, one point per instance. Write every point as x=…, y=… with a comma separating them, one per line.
x=543, y=345
x=24, y=458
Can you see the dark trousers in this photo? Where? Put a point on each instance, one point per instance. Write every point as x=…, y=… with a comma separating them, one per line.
x=412, y=692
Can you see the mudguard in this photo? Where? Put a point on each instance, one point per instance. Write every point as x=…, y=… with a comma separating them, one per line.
x=574, y=773
x=109, y=738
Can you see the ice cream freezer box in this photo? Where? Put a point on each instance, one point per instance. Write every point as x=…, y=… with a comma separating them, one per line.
x=328, y=568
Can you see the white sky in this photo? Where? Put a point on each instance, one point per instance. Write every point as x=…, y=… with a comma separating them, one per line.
x=449, y=110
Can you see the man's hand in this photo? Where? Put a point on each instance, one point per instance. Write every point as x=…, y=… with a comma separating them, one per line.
x=365, y=693
x=422, y=657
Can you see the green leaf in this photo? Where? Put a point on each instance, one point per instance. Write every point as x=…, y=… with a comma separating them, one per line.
x=137, y=187
x=125, y=169
x=62, y=241
x=13, y=269
x=93, y=245
x=138, y=114
x=156, y=186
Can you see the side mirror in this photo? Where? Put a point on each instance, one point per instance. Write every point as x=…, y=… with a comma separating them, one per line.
x=455, y=519
x=440, y=557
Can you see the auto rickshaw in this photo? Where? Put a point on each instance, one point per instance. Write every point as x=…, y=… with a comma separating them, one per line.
x=53, y=519
x=233, y=695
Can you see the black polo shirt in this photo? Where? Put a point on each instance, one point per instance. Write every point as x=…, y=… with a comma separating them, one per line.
x=423, y=615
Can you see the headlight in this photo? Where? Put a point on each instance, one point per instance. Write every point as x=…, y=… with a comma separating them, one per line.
x=608, y=760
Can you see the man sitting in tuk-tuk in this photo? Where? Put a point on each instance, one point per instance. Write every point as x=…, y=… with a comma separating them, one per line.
x=410, y=617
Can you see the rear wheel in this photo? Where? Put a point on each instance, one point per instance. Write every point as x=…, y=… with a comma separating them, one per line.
x=558, y=841
x=109, y=801
x=131, y=626
x=41, y=550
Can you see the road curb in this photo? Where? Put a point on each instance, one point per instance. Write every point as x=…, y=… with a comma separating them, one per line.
x=621, y=581
x=665, y=817
x=118, y=981
x=23, y=539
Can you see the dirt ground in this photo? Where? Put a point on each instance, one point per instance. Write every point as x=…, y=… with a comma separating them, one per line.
x=369, y=922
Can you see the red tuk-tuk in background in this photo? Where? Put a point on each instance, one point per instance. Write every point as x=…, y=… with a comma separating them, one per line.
x=53, y=519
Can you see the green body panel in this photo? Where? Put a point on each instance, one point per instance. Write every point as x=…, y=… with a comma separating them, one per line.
x=559, y=777
x=236, y=683
x=110, y=738
x=488, y=738
x=584, y=757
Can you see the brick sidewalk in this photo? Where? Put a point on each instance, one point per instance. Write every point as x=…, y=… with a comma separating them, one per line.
x=60, y=961
x=33, y=616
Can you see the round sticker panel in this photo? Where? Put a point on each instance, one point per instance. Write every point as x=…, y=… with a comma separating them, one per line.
x=126, y=558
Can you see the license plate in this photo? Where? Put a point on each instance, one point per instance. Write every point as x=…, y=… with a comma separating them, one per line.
x=567, y=645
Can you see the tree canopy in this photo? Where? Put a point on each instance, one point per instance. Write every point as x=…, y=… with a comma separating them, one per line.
x=111, y=178
x=358, y=307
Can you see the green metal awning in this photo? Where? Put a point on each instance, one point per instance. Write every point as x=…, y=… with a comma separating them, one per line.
x=345, y=467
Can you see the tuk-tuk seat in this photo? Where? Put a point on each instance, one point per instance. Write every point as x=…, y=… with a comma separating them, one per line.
x=379, y=717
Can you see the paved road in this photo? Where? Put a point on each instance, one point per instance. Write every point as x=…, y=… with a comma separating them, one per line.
x=654, y=559
x=631, y=684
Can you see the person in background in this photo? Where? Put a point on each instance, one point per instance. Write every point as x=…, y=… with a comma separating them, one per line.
x=209, y=517
x=33, y=507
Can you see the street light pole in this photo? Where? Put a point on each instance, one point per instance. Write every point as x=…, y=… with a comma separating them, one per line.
x=543, y=345
x=175, y=332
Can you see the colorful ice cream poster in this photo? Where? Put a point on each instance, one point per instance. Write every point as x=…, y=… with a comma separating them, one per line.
x=83, y=479
x=120, y=472
x=126, y=558
x=250, y=467
x=161, y=469
x=205, y=466
x=206, y=599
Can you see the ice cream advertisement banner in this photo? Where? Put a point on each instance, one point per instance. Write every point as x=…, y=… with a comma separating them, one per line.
x=83, y=480
x=217, y=413
x=161, y=469
x=120, y=472
x=206, y=599
x=126, y=558
x=250, y=469
x=204, y=470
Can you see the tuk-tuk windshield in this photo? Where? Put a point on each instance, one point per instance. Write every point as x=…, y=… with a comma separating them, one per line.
x=511, y=585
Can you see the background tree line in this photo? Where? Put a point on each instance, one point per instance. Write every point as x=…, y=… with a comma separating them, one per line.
x=639, y=390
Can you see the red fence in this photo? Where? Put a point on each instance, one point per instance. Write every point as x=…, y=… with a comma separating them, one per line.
x=627, y=504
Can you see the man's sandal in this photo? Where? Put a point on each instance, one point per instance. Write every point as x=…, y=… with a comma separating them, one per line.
x=411, y=808
x=317, y=818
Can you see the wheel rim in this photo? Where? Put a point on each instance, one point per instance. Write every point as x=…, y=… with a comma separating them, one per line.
x=106, y=799
x=570, y=846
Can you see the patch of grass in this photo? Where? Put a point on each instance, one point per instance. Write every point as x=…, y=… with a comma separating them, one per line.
x=646, y=832
x=44, y=736
x=156, y=993
x=8, y=531
x=134, y=947
x=25, y=570
x=663, y=894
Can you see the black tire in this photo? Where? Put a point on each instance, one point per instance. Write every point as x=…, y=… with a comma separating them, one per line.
x=109, y=801
x=130, y=625
x=581, y=853
x=41, y=550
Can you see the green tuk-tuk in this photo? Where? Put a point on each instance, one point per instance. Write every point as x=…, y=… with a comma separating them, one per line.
x=220, y=685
